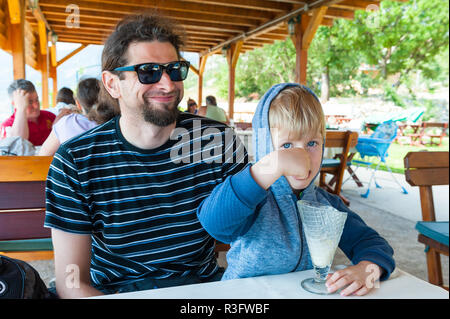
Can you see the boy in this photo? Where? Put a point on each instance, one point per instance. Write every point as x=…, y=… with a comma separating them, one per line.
x=255, y=210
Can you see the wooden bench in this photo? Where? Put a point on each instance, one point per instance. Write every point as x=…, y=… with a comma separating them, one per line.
x=425, y=169
x=22, y=207
x=336, y=166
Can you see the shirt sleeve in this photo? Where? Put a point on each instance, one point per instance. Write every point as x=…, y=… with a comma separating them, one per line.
x=230, y=209
x=66, y=203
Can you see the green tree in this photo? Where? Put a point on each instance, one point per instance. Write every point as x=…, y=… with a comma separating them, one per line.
x=403, y=37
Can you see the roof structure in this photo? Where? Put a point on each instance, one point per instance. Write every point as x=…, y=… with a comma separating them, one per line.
x=209, y=24
x=29, y=29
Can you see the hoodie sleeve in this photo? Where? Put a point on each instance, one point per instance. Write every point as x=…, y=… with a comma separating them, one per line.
x=229, y=210
x=360, y=242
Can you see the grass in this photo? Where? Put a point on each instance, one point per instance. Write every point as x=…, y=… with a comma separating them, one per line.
x=397, y=152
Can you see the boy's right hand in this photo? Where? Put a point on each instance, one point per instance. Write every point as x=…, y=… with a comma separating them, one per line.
x=294, y=162
x=288, y=162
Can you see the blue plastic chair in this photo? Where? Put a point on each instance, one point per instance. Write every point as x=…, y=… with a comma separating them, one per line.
x=377, y=145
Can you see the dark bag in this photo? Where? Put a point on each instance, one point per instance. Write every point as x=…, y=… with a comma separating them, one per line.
x=19, y=280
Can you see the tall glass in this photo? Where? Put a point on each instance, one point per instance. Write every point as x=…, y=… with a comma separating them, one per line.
x=323, y=226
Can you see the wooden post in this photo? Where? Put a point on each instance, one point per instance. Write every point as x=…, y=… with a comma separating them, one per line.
x=232, y=58
x=304, y=32
x=201, y=69
x=53, y=75
x=43, y=62
x=301, y=57
x=53, y=72
x=17, y=36
x=44, y=73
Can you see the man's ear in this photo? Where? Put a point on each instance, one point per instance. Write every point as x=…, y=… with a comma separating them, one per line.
x=111, y=84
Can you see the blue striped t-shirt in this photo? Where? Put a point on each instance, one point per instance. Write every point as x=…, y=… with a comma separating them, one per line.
x=140, y=205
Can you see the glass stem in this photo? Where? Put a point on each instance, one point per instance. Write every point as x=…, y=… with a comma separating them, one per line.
x=321, y=273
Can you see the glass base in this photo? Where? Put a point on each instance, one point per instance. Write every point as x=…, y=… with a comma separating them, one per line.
x=315, y=287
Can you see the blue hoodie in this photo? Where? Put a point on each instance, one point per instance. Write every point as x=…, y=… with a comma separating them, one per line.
x=264, y=228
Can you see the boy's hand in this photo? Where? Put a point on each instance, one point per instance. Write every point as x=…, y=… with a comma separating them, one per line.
x=288, y=162
x=294, y=162
x=359, y=279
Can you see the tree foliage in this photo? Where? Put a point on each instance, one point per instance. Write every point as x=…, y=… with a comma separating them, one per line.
x=398, y=39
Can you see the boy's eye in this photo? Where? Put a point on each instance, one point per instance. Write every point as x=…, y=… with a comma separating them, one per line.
x=286, y=145
x=312, y=143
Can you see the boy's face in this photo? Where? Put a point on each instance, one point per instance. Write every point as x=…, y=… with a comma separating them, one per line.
x=281, y=139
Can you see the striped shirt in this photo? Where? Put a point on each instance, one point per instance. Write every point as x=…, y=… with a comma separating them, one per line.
x=140, y=205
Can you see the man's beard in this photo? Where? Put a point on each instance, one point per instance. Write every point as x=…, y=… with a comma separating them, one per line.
x=160, y=116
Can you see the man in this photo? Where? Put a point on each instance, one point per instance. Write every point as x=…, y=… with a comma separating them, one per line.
x=212, y=111
x=121, y=200
x=28, y=120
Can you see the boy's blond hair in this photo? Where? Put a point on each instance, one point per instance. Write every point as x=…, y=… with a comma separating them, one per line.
x=298, y=111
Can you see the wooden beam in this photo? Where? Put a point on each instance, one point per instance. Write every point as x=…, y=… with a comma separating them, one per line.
x=201, y=69
x=132, y=6
x=54, y=75
x=71, y=54
x=17, y=38
x=355, y=4
x=42, y=36
x=53, y=61
x=313, y=25
x=15, y=13
x=301, y=58
x=232, y=57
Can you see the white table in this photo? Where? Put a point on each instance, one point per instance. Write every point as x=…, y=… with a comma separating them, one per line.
x=401, y=285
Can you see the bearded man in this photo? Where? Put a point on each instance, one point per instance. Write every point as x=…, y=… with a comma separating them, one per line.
x=121, y=208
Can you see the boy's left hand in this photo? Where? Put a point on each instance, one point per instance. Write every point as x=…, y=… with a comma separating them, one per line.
x=359, y=279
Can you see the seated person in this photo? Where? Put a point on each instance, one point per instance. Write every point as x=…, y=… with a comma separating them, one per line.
x=28, y=120
x=191, y=106
x=74, y=124
x=212, y=111
x=256, y=209
x=64, y=100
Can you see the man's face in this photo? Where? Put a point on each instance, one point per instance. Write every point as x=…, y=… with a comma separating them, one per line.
x=31, y=100
x=156, y=102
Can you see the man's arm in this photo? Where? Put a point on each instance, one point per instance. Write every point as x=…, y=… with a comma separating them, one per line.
x=50, y=145
x=72, y=264
x=20, y=125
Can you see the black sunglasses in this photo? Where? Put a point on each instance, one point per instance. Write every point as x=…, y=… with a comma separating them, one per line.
x=149, y=73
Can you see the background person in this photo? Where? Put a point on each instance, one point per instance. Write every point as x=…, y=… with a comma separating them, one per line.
x=74, y=124
x=64, y=100
x=212, y=111
x=191, y=106
x=28, y=120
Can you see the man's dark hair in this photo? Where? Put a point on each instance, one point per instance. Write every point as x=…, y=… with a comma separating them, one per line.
x=21, y=84
x=139, y=28
x=136, y=28
x=65, y=95
x=211, y=100
x=87, y=93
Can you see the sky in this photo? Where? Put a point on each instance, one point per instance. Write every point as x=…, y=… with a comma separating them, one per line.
x=84, y=64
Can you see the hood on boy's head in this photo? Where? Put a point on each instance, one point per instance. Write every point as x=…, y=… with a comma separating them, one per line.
x=262, y=140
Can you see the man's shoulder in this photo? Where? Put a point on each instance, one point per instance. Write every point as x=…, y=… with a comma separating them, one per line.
x=188, y=120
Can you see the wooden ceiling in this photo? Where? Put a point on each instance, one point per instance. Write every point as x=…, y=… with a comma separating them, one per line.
x=209, y=24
